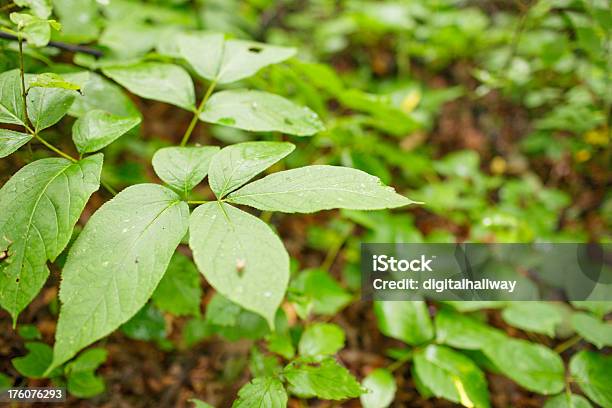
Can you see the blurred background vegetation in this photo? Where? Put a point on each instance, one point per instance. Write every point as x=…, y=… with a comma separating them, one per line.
x=495, y=113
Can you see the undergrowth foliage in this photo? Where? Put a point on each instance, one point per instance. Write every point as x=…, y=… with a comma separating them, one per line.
x=123, y=268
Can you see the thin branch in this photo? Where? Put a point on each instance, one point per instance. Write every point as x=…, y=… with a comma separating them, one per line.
x=196, y=116
x=60, y=45
x=55, y=149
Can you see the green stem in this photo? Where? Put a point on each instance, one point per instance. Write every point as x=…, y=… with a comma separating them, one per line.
x=397, y=364
x=196, y=117
x=23, y=88
x=334, y=250
x=108, y=187
x=567, y=344
x=197, y=202
x=55, y=149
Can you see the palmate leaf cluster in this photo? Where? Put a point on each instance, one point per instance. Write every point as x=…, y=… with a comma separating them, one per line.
x=123, y=269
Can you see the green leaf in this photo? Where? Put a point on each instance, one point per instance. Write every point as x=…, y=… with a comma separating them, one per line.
x=224, y=61
x=39, y=207
x=179, y=291
x=315, y=188
x=328, y=297
x=10, y=141
x=598, y=308
x=99, y=93
x=537, y=317
x=233, y=322
x=259, y=111
x=40, y=8
x=320, y=339
x=405, y=321
x=593, y=372
x=5, y=382
x=457, y=330
x=326, y=380
x=262, y=392
x=235, y=165
x=46, y=106
x=281, y=343
x=592, y=329
x=11, y=102
x=183, y=168
x=200, y=404
x=567, y=401
x=52, y=80
x=158, y=81
x=35, y=30
x=35, y=363
x=147, y=325
x=97, y=129
x=381, y=389
x=82, y=381
x=451, y=375
x=116, y=263
x=240, y=257
x=533, y=366
x=29, y=332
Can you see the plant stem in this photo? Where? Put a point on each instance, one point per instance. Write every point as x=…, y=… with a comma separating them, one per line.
x=334, y=250
x=197, y=202
x=196, y=117
x=55, y=149
x=23, y=88
x=108, y=187
x=397, y=364
x=567, y=344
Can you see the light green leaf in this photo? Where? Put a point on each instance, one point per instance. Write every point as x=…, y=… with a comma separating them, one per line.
x=52, y=80
x=452, y=375
x=29, y=332
x=237, y=164
x=533, y=366
x=224, y=61
x=99, y=93
x=593, y=373
x=179, y=291
x=327, y=296
x=315, y=188
x=320, y=339
x=34, y=364
x=116, y=263
x=10, y=141
x=599, y=308
x=405, y=321
x=5, y=382
x=158, y=81
x=381, y=389
x=592, y=329
x=183, y=168
x=259, y=111
x=240, y=257
x=262, y=392
x=200, y=404
x=567, y=401
x=46, y=106
x=40, y=8
x=326, y=380
x=82, y=381
x=97, y=129
x=36, y=31
x=11, y=102
x=457, y=330
x=39, y=207
x=537, y=317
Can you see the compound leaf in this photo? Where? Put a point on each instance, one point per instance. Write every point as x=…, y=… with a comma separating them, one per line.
x=240, y=257
x=116, y=263
x=39, y=207
x=593, y=372
x=326, y=380
x=315, y=188
x=259, y=111
x=320, y=339
x=11, y=102
x=237, y=164
x=405, y=321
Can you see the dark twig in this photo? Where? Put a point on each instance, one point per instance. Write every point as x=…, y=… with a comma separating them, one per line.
x=61, y=45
